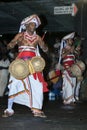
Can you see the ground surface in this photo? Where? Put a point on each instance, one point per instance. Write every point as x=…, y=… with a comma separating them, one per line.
x=59, y=117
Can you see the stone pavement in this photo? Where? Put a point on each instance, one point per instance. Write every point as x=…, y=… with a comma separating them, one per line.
x=59, y=117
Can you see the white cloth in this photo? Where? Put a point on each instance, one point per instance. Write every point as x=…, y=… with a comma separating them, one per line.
x=63, y=44
x=33, y=18
x=68, y=87
x=3, y=75
x=32, y=99
x=77, y=90
x=69, y=36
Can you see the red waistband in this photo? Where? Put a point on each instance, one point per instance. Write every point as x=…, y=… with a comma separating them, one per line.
x=26, y=54
x=68, y=64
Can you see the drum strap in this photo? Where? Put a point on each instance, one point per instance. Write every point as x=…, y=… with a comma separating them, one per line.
x=1, y=67
x=79, y=67
x=41, y=78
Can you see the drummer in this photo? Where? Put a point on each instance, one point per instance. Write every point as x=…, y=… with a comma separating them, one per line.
x=27, y=42
x=68, y=59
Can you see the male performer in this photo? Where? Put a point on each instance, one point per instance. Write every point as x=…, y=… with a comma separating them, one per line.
x=68, y=59
x=27, y=42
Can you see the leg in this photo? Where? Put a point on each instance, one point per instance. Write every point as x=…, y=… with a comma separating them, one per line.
x=37, y=97
x=38, y=113
x=77, y=91
x=9, y=111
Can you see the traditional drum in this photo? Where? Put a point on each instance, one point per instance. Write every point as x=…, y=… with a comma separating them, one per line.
x=76, y=71
x=38, y=63
x=79, y=78
x=78, y=68
x=19, y=69
x=81, y=64
x=53, y=77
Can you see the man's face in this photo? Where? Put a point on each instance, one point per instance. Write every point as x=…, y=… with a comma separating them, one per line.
x=70, y=42
x=31, y=27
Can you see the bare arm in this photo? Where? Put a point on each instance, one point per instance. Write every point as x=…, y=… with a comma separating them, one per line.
x=42, y=45
x=14, y=41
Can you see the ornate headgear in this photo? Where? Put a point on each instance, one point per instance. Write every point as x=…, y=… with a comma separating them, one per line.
x=63, y=43
x=33, y=18
x=69, y=36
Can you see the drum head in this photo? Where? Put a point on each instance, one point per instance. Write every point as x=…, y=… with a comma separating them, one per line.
x=76, y=71
x=19, y=69
x=79, y=78
x=53, y=77
x=81, y=64
x=38, y=63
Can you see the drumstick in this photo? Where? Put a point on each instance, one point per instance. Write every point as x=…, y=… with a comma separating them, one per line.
x=44, y=34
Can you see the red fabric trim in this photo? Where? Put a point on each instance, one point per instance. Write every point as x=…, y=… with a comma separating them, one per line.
x=31, y=39
x=58, y=72
x=26, y=54
x=68, y=63
x=69, y=56
x=41, y=79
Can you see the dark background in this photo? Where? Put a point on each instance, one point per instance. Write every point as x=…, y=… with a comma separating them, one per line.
x=13, y=11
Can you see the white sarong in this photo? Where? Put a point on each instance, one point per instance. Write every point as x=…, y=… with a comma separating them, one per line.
x=28, y=92
x=3, y=76
x=68, y=87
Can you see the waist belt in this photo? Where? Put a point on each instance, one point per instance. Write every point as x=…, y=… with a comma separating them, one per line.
x=68, y=59
x=27, y=48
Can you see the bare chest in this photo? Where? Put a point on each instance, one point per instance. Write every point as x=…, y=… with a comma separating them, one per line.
x=29, y=40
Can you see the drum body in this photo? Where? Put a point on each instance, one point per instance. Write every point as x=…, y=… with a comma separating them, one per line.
x=76, y=71
x=81, y=64
x=53, y=77
x=79, y=78
x=78, y=68
x=38, y=63
x=19, y=69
